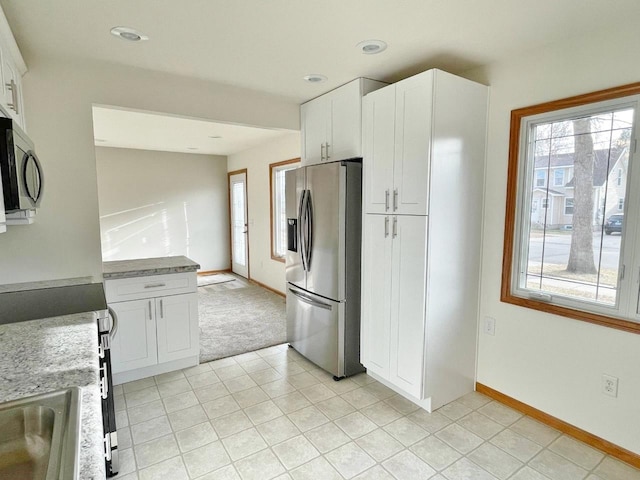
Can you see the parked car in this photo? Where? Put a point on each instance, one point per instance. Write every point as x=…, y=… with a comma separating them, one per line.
x=614, y=223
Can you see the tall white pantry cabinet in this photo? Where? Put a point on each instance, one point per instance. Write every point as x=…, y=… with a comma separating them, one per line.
x=424, y=151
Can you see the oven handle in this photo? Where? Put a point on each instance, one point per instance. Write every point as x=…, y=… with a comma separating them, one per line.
x=114, y=325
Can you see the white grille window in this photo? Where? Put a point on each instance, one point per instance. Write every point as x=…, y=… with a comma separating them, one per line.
x=570, y=249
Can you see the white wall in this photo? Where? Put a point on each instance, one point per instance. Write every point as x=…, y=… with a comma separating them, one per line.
x=158, y=204
x=262, y=267
x=65, y=240
x=553, y=363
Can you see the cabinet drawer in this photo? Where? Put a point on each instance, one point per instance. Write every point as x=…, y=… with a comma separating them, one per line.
x=124, y=289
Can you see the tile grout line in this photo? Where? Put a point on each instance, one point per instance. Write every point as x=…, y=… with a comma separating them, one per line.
x=379, y=401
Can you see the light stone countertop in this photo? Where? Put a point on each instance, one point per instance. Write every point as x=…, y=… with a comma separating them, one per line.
x=50, y=354
x=147, y=266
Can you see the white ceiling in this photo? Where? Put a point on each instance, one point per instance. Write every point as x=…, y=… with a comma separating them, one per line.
x=269, y=45
x=116, y=127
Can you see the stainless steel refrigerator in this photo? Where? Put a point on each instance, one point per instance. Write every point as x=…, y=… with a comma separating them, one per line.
x=324, y=224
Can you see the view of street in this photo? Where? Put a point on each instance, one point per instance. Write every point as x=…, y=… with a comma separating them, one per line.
x=548, y=258
x=557, y=247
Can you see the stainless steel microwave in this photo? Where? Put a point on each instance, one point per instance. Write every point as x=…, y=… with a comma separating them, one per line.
x=22, y=179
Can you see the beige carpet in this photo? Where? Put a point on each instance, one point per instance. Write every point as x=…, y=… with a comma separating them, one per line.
x=238, y=317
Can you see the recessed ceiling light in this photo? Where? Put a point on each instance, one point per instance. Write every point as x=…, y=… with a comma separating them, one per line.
x=371, y=47
x=192, y=148
x=101, y=140
x=130, y=34
x=315, y=78
x=215, y=136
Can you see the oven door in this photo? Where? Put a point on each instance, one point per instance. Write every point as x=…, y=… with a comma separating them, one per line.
x=107, y=326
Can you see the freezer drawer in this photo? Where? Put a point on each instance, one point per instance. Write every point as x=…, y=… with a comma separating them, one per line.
x=315, y=328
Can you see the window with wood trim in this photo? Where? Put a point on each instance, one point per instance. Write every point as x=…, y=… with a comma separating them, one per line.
x=278, y=211
x=579, y=255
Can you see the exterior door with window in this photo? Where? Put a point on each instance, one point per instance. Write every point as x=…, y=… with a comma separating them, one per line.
x=239, y=223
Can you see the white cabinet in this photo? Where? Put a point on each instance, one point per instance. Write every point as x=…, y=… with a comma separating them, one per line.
x=332, y=123
x=394, y=298
x=424, y=145
x=398, y=137
x=134, y=343
x=177, y=327
x=157, y=324
x=12, y=88
x=12, y=68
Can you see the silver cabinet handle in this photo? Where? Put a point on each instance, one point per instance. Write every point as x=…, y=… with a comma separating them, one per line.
x=161, y=309
x=150, y=317
x=14, y=96
x=322, y=152
x=395, y=199
x=386, y=227
x=326, y=151
x=155, y=285
x=395, y=227
x=386, y=200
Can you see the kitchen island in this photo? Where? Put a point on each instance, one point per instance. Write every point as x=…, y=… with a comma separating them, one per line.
x=49, y=354
x=142, y=267
x=155, y=303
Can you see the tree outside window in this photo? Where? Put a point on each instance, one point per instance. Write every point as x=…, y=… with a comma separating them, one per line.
x=561, y=261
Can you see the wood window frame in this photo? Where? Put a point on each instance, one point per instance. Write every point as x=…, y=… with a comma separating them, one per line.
x=517, y=117
x=271, y=219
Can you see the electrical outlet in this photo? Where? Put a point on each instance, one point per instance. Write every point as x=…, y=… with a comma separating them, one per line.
x=489, y=326
x=610, y=385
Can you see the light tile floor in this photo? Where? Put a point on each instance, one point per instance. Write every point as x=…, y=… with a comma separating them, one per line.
x=273, y=414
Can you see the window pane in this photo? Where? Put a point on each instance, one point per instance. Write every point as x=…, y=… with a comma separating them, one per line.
x=279, y=209
x=574, y=239
x=239, y=224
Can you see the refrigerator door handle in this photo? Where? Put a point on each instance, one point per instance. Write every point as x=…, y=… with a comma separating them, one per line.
x=302, y=229
x=309, y=228
x=309, y=300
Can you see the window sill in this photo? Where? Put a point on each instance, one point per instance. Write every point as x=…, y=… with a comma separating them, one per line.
x=277, y=259
x=603, y=320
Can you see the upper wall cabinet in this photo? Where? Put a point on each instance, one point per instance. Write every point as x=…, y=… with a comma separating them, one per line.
x=401, y=131
x=12, y=68
x=332, y=123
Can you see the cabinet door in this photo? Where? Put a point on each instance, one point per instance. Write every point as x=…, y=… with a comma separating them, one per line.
x=12, y=90
x=414, y=107
x=134, y=343
x=344, y=137
x=408, y=302
x=376, y=294
x=378, y=144
x=313, y=117
x=177, y=320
